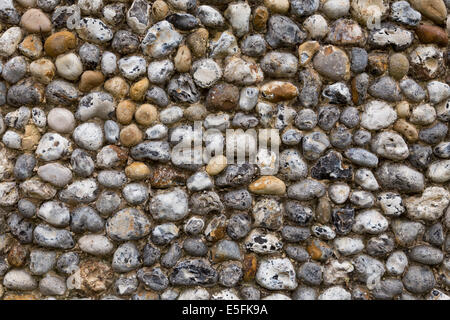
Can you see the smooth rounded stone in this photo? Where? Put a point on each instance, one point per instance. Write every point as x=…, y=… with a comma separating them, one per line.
x=430, y=205
x=316, y=25
x=306, y=119
x=398, y=68
x=52, y=285
x=171, y=115
x=127, y=224
x=442, y=150
x=88, y=136
x=368, y=270
x=108, y=63
x=132, y=67
x=420, y=156
x=55, y=173
x=126, y=258
x=291, y=137
x=61, y=120
x=23, y=168
x=20, y=228
x=183, y=21
x=195, y=247
x=426, y=255
x=433, y=134
x=135, y=193
x=112, y=131
x=438, y=91
x=86, y=219
x=69, y=66
x=14, y=69
x=390, y=145
x=396, y=263
x=125, y=286
x=335, y=9
x=400, y=177
x=314, y=145
x=169, y=205
x=276, y=274
x=164, y=233
x=406, y=232
x=423, y=114
x=433, y=9
x=253, y=45
x=333, y=63
x=307, y=189
x=362, y=199
x=150, y=255
x=435, y=234
x=348, y=246
x=226, y=250
x=385, y=88
x=89, y=55
x=244, y=121
x=42, y=261
x=12, y=140
x=362, y=157
x=112, y=178
x=159, y=72
x=35, y=188
x=81, y=162
x=210, y=17
x=402, y=12
x=9, y=41
x=95, y=244
x=335, y=293
x=55, y=213
x=339, y=192
x=26, y=208
x=310, y=273
x=297, y=253
x=366, y=179
x=359, y=60
x=412, y=90
x=61, y=92
x=418, y=279
x=304, y=8
x=50, y=237
x=18, y=279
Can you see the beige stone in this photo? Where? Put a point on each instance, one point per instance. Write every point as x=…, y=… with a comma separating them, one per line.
x=216, y=165
x=183, y=59
x=36, y=21
x=90, y=80
x=130, y=135
x=137, y=171
x=138, y=89
x=43, y=70
x=146, y=114
x=268, y=185
x=117, y=86
x=31, y=137
x=125, y=111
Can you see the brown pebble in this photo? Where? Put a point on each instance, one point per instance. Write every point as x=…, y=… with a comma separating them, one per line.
x=249, y=265
x=407, y=130
x=159, y=10
x=198, y=42
x=138, y=89
x=260, y=18
x=117, y=86
x=183, y=59
x=130, y=135
x=17, y=255
x=432, y=34
x=90, y=80
x=377, y=63
x=125, y=111
x=146, y=114
x=323, y=210
x=31, y=137
x=164, y=176
x=223, y=96
x=59, y=43
x=276, y=91
x=137, y=171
